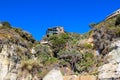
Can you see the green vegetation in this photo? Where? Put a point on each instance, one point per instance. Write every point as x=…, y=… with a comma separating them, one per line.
x=58, y=42
x=25, y=35
x=89, y=46
x=6, y=24
x=64, y=50
x=87, y=61
x=29, y=64
x=92, y=25
x=50, y=60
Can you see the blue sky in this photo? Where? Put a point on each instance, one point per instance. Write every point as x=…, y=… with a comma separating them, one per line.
x=35, y=16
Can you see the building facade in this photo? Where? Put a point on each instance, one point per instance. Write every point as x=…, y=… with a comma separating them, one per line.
x=54, y=30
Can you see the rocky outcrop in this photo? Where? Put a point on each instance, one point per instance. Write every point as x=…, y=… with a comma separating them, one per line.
x=54, y=74
x=10, y=61
x=23, y=58
x=102, y=37
x=15, y=46
x=111, y=70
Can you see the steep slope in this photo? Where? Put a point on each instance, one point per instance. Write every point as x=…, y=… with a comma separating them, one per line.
x=104, y=33
x=111, y=68
x=15, y=49
x=92, y=53
x=106, y=36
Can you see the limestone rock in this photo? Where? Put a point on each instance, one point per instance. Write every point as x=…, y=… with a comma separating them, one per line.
x=90, y=41
x=54, y=74
x=115, y=53
x=111, y=70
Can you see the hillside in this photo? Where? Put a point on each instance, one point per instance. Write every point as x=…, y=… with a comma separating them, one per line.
x=65, y=54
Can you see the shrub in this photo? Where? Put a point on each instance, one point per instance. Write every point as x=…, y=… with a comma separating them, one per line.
x=6, y=24
x=43, y=52
x=50, y=60
x=92, y=25
x=86, y=62
x=30, y=64
x=70, y=57
x=58, y=42
x=88, y=46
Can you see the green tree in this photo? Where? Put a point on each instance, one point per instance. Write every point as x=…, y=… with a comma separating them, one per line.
x=71, y=57
x=58, y=42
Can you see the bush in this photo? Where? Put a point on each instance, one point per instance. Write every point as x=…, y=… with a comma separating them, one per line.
x=70, y=57
x=58, y=42
x=50, y=60
x=88, y=46
x=92, y=25
x=6, y=24
x=43, y=52
x=86, y=62
x=30, y=64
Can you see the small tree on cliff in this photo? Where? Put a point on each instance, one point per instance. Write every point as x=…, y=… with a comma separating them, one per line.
x=92, y=25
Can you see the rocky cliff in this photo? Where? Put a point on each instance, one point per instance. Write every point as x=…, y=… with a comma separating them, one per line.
x=15, y=48
x=111, y=69
x=95, y=54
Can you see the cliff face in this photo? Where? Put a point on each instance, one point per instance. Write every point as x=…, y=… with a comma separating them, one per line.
x=106, y=40
x=111, y=68
x=23, y=58
x=10, y=62
x=14, y=49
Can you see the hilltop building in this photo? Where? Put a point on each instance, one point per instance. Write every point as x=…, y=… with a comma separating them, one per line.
x=54, y=30
x=113, y=14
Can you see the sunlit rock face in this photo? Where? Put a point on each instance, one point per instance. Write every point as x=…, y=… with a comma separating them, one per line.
x=54, y=74
x=7, y=66
x=10, y=61
x=15, y=47
x=102, y=37
x=111, y=70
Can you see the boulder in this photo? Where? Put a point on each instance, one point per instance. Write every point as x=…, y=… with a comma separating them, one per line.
x=54, y=74
x=108, y=71
x=111, y=70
